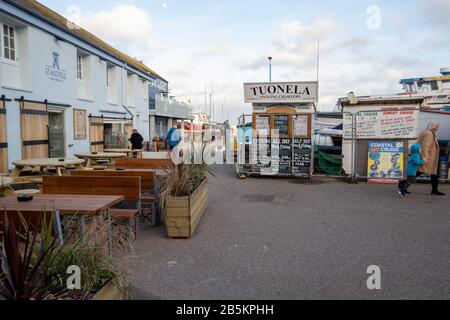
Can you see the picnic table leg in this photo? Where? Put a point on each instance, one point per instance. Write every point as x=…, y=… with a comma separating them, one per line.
x=83, y=228
x=58, y=171
x=79, y=167
x=108, y=211
x=58, y=227
x=16, y=172
x=89, y=163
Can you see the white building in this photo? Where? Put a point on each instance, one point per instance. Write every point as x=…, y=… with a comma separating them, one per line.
x=64, y=90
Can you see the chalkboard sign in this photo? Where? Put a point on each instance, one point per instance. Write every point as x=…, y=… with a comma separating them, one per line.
x=262, y=152
x=285, y=156
x=281, y=123
x=301, y=156
x=282, y=155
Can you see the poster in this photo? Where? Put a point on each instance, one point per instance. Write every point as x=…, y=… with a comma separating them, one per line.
x=79, y=124
x=389, y=122
x=262, y=125
x=385, y=161
x=301, y=126
x=281, y=123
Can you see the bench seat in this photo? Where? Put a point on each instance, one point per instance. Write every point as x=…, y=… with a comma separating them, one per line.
x=124, y=214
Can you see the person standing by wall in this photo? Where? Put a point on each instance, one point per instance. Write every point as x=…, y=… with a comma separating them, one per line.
x=430, y=154
x=136, y=140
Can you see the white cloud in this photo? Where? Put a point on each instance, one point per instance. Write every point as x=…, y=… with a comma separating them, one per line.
x=351, y=60
x=126, y=27
x=437, y=11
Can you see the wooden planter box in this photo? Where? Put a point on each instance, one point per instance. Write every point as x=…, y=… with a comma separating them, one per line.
x=110, y=292
x=183, y=214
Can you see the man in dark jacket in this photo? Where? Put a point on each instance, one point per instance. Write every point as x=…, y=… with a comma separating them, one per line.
x=136, y=140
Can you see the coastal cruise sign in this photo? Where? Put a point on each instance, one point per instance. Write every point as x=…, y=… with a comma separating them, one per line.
x=281, y=92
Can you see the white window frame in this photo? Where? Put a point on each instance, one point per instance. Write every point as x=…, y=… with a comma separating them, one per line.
x=108, y=84
x=7, y=48
x=144, y=88
x=80, y=71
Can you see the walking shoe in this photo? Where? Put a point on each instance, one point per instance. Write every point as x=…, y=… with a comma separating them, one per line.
x=437, y=193
x=400, y=192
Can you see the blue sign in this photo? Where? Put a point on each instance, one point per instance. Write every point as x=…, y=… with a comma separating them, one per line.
x=53, y=71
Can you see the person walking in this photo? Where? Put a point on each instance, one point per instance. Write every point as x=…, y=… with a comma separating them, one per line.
x=414, y=162
x=136, y=140
x=173, y=137
x=430, y=154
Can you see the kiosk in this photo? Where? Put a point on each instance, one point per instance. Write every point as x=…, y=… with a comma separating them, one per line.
x=282, y=136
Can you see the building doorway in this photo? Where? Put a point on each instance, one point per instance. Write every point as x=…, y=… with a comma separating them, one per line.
x=56, y=134
x=115, y=135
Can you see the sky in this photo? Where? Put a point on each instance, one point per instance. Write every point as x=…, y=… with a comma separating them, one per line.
x=366, y=46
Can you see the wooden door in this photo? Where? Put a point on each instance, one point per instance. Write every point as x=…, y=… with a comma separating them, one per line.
x=128, y=131
x=96, y=134
x=34, y=130
x=3, y=139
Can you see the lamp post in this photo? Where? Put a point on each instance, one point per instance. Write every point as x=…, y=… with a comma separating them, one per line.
x=270, y=69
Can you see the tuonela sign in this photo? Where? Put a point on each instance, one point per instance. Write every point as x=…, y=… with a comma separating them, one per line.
x=281, y=92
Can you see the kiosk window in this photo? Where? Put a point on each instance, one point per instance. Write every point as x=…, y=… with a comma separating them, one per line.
x=281, y=123
x=301, y=126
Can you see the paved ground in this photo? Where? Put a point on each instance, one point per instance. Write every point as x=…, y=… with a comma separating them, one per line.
x=281, y=239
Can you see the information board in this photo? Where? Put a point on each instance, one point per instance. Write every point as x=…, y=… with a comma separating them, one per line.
x=301, y=126
x=262, y=152
x=281, y=123
x=390, y=122
x=262, y=124
x=301, y=156
x=79, y=124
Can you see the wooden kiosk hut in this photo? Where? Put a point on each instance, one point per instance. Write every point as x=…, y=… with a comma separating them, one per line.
x=282, y=136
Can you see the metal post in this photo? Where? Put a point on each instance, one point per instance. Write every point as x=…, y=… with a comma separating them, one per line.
x=354, y=140
x=270, y=69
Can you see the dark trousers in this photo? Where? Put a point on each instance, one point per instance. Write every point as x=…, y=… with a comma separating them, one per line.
x=434, y=181
x=404, y=184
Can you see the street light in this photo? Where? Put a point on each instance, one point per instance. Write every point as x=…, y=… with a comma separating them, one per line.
x=270, y=69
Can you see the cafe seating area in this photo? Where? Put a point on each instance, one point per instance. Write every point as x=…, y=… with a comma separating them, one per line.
x=132, y=181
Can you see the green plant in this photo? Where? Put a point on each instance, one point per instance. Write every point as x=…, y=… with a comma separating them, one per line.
x=90, y=255
x=40, y=270
x=21, y=271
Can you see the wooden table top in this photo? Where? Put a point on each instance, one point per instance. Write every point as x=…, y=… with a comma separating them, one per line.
x=123, y=150
x=66, y=204
x=50, y=162
x=5, y=181
x=101, y=155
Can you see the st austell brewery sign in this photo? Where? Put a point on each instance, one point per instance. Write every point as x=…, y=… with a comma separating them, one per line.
x=54, y=71
x=281, y=92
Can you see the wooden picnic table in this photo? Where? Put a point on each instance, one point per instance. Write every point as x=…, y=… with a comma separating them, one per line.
x=65, y=204
x=5, y=181
x=91, y=157
x=129, y=152
x=79, y=206
x=39, y=164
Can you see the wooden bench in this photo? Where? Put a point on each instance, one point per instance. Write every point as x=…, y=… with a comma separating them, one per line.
x=149, y=198
x=134, y=163
x=147, y=176
x=128, y=187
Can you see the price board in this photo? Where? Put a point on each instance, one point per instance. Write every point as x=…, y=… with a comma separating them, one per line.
x=301, y=156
